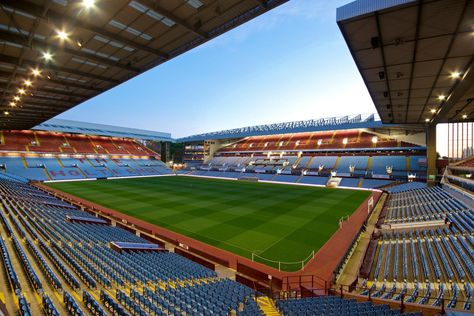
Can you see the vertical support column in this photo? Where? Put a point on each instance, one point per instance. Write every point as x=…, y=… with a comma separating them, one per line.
x=431, y=153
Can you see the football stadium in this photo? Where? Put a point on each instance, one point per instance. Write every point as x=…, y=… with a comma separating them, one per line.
x=344, y=215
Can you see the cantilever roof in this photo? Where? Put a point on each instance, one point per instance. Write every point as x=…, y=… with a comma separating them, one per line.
x=408, y=53
x=322, y=124
x=75, y=127
x=107, y=45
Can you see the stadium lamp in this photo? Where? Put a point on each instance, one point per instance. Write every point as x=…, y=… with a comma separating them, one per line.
x=464, y=116
x=62, y=35
x=433, y=111
x=88, y=3
x=344, y=141
x=47, y=56
x=21, y=91
x=374, y=140
x=12, y=104
x=441, y=97
x=427, y=120
x=455, y=75
x=36, y=72
x=27, y=82
x=16, y=98
x=6, y=113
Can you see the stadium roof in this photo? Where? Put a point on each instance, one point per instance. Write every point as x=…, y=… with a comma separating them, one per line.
x=75, y=127
x=416, y=57
x=323, y=124
x=80, y=51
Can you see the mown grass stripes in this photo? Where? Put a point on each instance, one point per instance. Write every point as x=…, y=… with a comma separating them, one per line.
x=279, y=222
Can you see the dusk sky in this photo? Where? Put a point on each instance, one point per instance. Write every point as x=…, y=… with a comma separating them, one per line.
x=288, y=64
x=291, y=63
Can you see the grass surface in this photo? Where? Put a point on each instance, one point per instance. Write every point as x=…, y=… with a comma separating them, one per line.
x=278, y=222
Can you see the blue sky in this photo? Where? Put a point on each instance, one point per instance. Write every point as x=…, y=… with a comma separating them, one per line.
x=288, y=64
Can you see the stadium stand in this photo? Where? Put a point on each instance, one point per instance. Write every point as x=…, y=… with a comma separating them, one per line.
x=362, y=158
x=425, y=257
x=82, y=249
x=41, y=156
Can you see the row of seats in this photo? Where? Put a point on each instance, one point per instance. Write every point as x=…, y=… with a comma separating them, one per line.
x=325, y=306
x=342, y=139
x=84, y=249
x=343, y=165
x=439, y=256
x=79, y=168
x=48, y=142
x=308, y=179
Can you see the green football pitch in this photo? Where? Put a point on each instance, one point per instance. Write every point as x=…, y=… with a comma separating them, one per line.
x=278, y=222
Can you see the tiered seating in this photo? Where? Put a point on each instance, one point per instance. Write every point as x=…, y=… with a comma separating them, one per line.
x=429, y=254
x=380, y=164
x=427, y=204
x=80, y=168
x=358, y=162
x=326, y=140
x=327, y=305
x=327, y=162
x=406, y=187
x=170, y=283
x=47, y=142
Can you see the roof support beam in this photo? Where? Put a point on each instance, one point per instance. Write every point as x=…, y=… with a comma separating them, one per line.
x=382, y=51
x=6, y=75
x=13, y=87
x=448, y=51
x=415, y=50
x=15, y=61
x=57, y=19
x=262, y=3
x=44, y=46
x=458, y=91
x=153, y=4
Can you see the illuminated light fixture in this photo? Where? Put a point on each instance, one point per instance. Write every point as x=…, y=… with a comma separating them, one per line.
x=464, y=116
x=427, y=119
x=36, y=72
x=79, y=43
x=88, y=3
x=374, y=139
x=441, y=97
x=47, y=56
x=320, y=141
x=433, y=111
x=344, y=141
x=455, y=75
x=27, y=83
x=16, y=98
x=21, y=91
x=6, y=113
x=12, y=104
x=49, y=76
x=62, y=35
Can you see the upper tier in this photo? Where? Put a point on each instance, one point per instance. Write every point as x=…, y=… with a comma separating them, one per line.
x=49, y=142
x=331, y=140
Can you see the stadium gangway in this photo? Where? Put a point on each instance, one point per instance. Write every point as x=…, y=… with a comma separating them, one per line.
x=439, y=298
x=424, y=300
x=414, y=295
x=402, y=293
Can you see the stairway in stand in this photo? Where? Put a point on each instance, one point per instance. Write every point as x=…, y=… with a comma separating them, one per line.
x=267, y=306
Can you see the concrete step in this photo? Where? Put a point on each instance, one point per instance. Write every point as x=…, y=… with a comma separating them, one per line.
x=267, y=306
